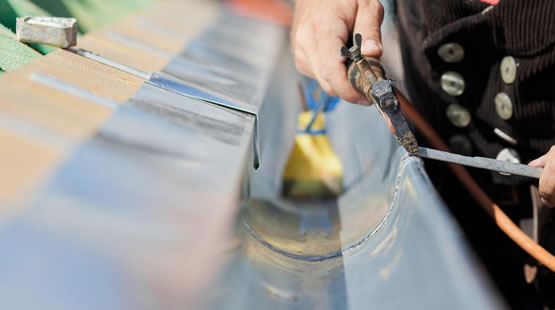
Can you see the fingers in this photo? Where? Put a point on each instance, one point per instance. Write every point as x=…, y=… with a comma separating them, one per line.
x=547, y=188
x=539, y=162
x=368, y=23
x=332, y=71
x=547, y=179
x=299, y=39
x=321, y=28
x=301, y=62
x=547, y=203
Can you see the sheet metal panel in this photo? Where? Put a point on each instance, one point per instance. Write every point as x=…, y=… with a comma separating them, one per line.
x=118, y=226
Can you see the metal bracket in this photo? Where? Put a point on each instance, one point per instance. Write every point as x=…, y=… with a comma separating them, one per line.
x=196, y=92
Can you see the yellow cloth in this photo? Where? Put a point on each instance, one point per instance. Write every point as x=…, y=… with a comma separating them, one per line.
x=313, y=169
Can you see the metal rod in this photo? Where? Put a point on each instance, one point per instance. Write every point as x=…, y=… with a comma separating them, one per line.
x=481, y=162
x=110, y=63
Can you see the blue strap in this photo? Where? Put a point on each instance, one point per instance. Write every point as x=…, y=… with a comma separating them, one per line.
x=320, y=132
x=314, y=104
x=322, y=103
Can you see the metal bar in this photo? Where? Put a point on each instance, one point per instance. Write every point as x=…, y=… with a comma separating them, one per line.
x=110, y=63
x=481, y=162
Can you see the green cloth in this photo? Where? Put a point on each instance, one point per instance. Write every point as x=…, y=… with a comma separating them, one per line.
x=14, y=54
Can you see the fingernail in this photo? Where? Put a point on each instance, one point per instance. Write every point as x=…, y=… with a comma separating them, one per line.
x=371, y=47
x=363, y=102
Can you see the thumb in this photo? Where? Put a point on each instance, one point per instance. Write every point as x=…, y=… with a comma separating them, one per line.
x=368, y=23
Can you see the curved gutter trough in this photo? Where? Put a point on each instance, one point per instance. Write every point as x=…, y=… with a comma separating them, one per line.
x=387, y=243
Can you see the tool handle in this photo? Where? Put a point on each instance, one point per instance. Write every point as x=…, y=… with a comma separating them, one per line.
x=365, y=72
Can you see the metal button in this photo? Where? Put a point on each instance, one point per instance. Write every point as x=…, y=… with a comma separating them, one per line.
x=510, y=155
x=505, y=136
x=458, y=115
x=503, y=106
x=451, y=52
x=508, y=69
x=452, y=83
x=461, y=145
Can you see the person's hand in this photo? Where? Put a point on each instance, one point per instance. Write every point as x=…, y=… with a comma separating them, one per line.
x=547, y=179
x=322, y=27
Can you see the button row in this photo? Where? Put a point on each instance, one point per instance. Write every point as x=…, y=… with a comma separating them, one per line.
x=454, y=85
x=503, y=103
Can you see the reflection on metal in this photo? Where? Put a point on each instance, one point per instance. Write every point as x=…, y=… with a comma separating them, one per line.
x=218, y=123
x=283, y=229
x=195, y=92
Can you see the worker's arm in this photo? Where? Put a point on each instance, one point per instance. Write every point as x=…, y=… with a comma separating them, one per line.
x=322, y=27
x=547, y=179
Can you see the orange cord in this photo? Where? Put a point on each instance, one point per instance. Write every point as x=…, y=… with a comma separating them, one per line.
x=492, y=209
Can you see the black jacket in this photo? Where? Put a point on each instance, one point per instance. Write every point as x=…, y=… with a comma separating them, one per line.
x=519, y=30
